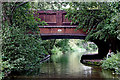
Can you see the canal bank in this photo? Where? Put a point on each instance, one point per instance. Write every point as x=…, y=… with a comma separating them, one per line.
x=94, y=62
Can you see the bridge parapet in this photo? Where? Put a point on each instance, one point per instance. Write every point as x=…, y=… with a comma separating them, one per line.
x=53, y=17
x=58, y=25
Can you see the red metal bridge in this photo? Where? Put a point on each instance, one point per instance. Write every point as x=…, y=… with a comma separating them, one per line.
x=58, y=26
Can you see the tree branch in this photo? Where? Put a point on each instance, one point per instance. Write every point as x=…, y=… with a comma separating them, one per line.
x=5, y=15
x=18, y=6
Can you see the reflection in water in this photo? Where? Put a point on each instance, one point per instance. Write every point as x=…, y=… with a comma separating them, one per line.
x=74, y=65
x=68, y=66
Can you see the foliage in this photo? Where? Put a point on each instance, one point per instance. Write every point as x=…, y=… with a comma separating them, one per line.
x=6, y=68
x=112, y=63
x=56, y=50
x=48, y=45
x=63, y=45
x=60, y=47
x=20, y=49
x=50, y=5
x=99, y=19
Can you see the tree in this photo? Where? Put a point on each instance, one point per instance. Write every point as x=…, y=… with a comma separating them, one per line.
x=21, y=49
x=98, y=19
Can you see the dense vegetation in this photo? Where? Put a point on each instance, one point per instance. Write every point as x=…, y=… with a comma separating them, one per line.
x=112, y=63
x=22, y=49
x=99, y=20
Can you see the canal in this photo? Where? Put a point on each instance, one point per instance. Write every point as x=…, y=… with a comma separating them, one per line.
x=67, y=67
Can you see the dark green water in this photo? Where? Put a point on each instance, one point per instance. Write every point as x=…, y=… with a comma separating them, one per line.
x=66, y=67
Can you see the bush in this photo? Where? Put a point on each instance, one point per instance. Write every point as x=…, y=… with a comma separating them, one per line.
x=112, y=63
x=5, y=67
x=22, y=50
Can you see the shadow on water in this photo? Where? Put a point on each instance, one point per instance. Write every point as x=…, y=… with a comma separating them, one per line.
x=66, y=67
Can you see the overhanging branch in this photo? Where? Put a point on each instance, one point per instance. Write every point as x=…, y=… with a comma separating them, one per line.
x=18, y=6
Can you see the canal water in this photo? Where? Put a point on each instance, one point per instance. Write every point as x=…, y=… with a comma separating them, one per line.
x=67, y=67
